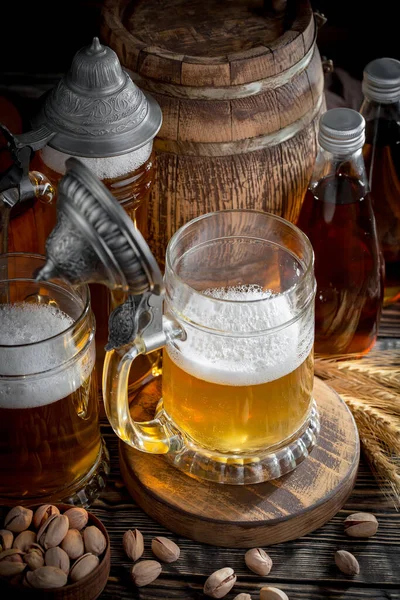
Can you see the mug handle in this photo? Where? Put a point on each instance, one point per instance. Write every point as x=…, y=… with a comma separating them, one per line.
x=157, y=436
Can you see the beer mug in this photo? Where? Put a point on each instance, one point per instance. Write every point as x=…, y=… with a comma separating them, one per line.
x=237, y=377
x=50, y=444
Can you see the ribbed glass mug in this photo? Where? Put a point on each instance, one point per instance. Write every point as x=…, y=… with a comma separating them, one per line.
x=237, y=376
x=50, y=443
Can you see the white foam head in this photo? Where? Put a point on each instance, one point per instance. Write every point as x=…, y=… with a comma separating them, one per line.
x=104, y=168
x=49, y=371
x=248, y=360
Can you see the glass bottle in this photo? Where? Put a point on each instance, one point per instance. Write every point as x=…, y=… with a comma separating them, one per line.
x=338, y=218
x=381, y=111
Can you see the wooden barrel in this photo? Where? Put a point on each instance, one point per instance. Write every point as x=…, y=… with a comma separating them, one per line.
x=241, y=89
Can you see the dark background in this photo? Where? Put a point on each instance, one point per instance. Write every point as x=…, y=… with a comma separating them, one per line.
x=38, y=39
x=41, y=37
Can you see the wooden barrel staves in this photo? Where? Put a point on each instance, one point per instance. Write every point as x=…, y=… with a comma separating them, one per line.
x=240, y=84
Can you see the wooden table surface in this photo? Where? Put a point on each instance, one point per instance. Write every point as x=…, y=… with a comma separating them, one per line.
x=303, y=568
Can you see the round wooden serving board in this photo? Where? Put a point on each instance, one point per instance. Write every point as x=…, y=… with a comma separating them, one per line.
x=254, y=515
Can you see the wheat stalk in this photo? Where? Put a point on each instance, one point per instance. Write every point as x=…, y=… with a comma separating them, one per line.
x=370, y=386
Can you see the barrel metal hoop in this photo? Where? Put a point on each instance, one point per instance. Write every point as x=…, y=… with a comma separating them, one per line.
x=233, y=92
x=241, y=146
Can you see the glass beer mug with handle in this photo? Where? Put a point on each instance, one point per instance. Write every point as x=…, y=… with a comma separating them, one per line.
x=50, y=444
x=237, y=332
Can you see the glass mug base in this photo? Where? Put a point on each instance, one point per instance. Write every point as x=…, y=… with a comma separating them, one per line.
x=80, y=493
x=275, y=462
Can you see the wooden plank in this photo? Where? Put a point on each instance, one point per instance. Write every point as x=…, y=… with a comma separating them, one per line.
x=298, y=155
x=294, y=99
x=200, y=122
x=255, y=115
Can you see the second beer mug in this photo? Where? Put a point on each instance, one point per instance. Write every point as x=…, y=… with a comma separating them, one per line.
x=238, y=367
x=50, y=443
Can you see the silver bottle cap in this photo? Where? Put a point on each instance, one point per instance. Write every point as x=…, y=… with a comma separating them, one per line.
x=96, y=110
x=341, y=131
x=381, y=80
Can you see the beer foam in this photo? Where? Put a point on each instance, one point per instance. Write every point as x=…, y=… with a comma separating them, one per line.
x=104, y=168
x=248, y=360
x=25, y=329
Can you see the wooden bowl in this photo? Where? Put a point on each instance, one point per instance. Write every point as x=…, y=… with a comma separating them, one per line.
x=88, y=588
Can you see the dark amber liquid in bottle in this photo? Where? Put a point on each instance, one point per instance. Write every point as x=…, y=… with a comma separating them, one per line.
x=338, y=219
x=382, y=155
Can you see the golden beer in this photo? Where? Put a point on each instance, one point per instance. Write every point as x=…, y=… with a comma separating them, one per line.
x=236, y=395
x=237, y=418
x=49, y=432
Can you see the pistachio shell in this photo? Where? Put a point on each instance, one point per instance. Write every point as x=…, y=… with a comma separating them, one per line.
x=43, y=513
x=12, y=555
x=272, y=593
x=220, y=583
x=145, y=572
x=94, y=540
x=10, y=569
x=6, y=539
x=165, y=549
x=34, y=559
x=24, y=540
x=258, y=561
x=73, y=544
x=55, y=531
x=83, y=566
x=18, y=519
x=133, y=544
x=346, y=562
x=57, y=557
x=363, y=525
x=77, y=517
x=47, y=578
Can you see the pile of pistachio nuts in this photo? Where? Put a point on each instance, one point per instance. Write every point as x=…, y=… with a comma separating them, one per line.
x=46, y=549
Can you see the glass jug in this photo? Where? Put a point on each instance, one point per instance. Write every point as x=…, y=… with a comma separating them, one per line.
x=50, y=444
x=95, y=112
x=235, y=315
x=237, y=377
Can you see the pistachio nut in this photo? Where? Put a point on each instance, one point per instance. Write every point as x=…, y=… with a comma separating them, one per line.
x=83, y=566
x=242, y=597
x=272, y=593
x=10, y=569
x=165, y=549
x=73, y=544
x=363, y=525
x=34, y=558
x=46, y=578
x=77, y=517
x=57, y=557
x=220, y=583
x=346, y=562
x=18, y=519
x=53, y=531
x=133, y=544
x=6, y=539
x=12, y=555
x=145, y=572
x=43, y=513
x=95, y=541
x=258, y=561
x=24, y=540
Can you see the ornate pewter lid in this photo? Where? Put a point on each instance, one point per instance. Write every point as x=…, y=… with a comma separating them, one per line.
x=94, y=240
x=96, y=110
